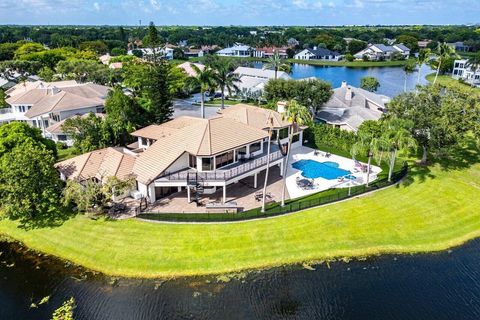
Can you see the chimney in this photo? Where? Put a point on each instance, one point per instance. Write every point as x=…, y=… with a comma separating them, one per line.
x=314, y=47
x=344, y=84
x=281, y=106
x=348, y=94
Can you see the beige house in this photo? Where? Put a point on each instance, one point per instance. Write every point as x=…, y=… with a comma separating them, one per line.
x=199, y=156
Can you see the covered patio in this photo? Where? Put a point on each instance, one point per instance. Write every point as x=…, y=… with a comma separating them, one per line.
x=242, y=193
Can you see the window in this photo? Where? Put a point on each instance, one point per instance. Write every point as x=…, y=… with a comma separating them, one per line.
x=144, y=141
x=192, y=161
x=274, y=135
x=255, y=147
x=62, y=137
x=207, y=164
x=295, y=138
x=224, y=159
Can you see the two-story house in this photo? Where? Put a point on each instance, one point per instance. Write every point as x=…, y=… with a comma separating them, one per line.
x=462, y=70
x=195, y=156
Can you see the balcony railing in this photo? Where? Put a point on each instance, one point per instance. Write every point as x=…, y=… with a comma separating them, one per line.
x=220, y=174
x=5, y=110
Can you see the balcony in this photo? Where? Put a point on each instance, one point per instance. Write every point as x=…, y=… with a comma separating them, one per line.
x=225, y=173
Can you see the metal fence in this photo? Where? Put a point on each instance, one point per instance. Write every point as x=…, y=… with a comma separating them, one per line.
x=274, y=209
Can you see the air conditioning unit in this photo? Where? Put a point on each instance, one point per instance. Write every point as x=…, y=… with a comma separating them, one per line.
x=137, y=195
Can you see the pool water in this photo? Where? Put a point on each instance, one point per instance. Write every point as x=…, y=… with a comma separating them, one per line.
x=327, y=170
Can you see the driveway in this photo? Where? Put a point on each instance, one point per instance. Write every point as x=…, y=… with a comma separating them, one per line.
x=185, y=107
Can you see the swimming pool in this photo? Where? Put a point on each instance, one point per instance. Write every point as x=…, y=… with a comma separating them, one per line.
x=313, y=169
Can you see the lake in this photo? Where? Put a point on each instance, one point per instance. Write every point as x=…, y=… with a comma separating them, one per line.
x=392, y=79
x=436, y=286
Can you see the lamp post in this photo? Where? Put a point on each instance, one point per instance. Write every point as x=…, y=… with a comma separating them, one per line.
x=369, y=155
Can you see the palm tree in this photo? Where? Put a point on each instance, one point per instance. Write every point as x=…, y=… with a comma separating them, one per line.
x=276, y=63
x=408, y=68
x=474, y=63
x=297, y=115
x=225, y=79
x=444, y=52
x=206, y=80
x=397, y=136
x=371, y=145
x=423, y=58
x=264, y=194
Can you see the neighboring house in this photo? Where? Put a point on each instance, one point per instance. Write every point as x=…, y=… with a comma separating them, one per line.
x=459, y=46
x=349, y=107
x=190, y=156
x=165, y=52
x=238, y=50
x=55, y=131
x=187, y=67
x=193, y=53
x=209, y=49
x=254, y=80
x=268, y=52
x=42, y=104
x=318, y=54
x=461, y=70
x=381, y=51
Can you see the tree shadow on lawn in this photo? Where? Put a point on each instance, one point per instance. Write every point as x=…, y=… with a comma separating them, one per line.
x=47, y=220
x=460, y=158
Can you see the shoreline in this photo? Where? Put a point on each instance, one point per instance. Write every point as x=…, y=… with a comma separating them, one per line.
x=342, y=256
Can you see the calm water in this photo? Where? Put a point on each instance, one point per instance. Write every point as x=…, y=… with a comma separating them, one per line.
x=392, y=79
x=435, y=286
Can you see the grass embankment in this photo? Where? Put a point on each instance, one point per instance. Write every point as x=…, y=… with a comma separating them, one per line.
x=434, y=209
x=448, y=81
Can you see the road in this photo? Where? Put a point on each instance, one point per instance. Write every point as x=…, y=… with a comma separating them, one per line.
x=185, y=107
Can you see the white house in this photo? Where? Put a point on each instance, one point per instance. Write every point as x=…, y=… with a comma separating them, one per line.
x=165, y=52
x=42, y=104
x=238, y=50
x=381, y=51
x=254, y=79
x=462, y=70
x=349, y=107
x=318, y=54
x=191, y=156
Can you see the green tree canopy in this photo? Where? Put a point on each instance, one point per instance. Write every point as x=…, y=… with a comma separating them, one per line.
x=369, y=83
x=17, y=133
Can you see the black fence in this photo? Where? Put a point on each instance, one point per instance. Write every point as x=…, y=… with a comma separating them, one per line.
x=275, y=209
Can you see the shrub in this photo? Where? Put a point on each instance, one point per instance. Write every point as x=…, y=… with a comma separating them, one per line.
x=349, y=57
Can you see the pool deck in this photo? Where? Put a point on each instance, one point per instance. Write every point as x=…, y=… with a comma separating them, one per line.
x=321, y=184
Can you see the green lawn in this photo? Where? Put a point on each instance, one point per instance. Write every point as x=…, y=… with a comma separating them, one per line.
x=434, y=209
x=448, y=81
x=64, y=154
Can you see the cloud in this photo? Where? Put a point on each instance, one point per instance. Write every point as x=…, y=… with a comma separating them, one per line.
x=96, y=6
x=155, y=4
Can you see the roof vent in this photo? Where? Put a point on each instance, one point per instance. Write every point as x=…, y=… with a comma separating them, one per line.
x=344, y=84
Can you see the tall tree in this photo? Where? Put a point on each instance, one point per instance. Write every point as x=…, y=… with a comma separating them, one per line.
x=397, y=135
x=297, y=115
x=423, y=58
x=29, y=183
x=225, y=79
x=408, y=68
x=159, y=92
x=267, y=169
x=152, y=41
x=444, y=52
x=205, y=79
x=88, y=132
x=276, y=63
x=17, y=133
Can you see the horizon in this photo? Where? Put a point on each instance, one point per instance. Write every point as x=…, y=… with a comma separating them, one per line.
x=252, y=13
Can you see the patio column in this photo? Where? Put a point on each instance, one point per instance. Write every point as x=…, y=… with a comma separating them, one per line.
x=255, y=180
x=224, y=193
x=188, y=194
x=281, y=167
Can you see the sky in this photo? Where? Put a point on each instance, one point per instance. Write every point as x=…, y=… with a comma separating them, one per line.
x=239, y=12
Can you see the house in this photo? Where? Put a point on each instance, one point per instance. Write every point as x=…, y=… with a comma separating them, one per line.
x=193, y=53
x=254, y=79
x=349, y=107
x=42, y=104
x=318, y=54
x=381, y=51
x=187, y=67
x=462, y=70
x=459, y=46
x=165, y=52
x=55, y=132
x=191, y=157
x=238, y=50
x=268, y=52
x=209, y=49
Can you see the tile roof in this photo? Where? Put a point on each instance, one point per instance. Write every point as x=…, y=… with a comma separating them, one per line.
x=254, y=116
x=98, y=164
x=200, y=137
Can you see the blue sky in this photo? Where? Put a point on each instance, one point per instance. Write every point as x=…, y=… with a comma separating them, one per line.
x=240, y=12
